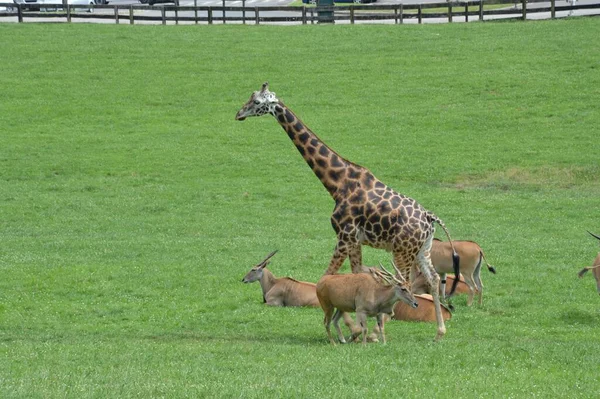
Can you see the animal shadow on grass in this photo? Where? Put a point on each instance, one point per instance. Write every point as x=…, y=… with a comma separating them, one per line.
x=577, y=316
x=287, y=338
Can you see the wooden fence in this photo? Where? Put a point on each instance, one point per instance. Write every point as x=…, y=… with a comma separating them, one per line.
x=463, y=11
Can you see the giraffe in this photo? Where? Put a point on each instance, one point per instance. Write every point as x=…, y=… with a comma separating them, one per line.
x=367, y=211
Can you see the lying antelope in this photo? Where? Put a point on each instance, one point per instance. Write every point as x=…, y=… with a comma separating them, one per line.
x=595, y=267
x=424, y=312
x=286, y=291
x=283, y=291
x=372, y=294
x=470, y=254
x=420, y=286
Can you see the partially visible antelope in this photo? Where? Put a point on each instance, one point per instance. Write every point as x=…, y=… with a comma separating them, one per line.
x=424, y=312
x=367, y=294
x=595, y=267
x=286, y=291
x=420, y=285
x=470, y=254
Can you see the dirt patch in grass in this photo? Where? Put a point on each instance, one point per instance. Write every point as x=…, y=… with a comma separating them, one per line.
x=534, y=177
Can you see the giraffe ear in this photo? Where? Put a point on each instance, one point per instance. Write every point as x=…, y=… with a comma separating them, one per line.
x=265, y=87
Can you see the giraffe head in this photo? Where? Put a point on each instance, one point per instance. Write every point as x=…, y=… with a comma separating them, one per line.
x=260, y=103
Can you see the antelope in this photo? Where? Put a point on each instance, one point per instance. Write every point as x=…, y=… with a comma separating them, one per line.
x=283, y=291
x=286, y=291
x=420, y=286
x=424, y=312
x=372, y=294
x=595, y=267
x=470, y=254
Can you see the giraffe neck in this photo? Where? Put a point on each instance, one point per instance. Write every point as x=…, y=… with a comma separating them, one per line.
x=327, y=165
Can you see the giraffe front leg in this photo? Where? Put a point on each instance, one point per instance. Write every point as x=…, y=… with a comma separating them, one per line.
x=339, y=256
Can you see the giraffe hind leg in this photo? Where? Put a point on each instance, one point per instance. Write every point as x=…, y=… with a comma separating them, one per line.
x=426, y=267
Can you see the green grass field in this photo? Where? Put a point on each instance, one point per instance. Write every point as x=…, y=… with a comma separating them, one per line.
x=132, y=204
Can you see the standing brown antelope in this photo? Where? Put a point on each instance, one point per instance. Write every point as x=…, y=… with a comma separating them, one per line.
x=470, y=254
x=595, y=267
x=286, y=291
x=373, y=294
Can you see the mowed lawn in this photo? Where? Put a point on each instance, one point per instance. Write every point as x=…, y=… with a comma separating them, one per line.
x=132, y=204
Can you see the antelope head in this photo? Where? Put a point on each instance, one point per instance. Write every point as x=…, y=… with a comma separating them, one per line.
x=401, y=286
x=256, y=273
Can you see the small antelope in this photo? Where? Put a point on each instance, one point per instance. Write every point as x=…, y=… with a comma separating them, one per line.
x=595, y=267
x=373, y=294
x=470, y=254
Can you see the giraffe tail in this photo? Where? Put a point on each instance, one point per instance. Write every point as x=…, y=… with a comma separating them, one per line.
x=455, y=257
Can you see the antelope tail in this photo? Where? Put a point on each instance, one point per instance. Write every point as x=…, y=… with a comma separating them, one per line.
x=585, y=270
x=455, y=258
x=491, y=268
x=593, y=235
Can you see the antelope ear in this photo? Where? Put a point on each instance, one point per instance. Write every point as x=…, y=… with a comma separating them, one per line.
x=265, y=87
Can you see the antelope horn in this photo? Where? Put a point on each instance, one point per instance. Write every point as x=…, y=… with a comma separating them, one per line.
x=398, y=275
x=266, y=260
x=396, y=268
x=593, y=235
x=382, y=275
x=385, y=270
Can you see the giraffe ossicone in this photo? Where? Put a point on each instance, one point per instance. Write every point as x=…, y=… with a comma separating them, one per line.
x=367, y=211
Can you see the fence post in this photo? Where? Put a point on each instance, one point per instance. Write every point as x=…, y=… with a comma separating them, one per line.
x=244, y=12
x=401, y=14
x=164, y=15
x=420, y=13
x=19, y=12
x=396, y=14
x=68, y=13
x=524, y=6
x=481, y=10
x=210, y=17
x=117, y=15
x=303, y=15
x=196, y=12
x=467, y=11
x=352, y=14
x=131, y=14
x=256, y=17
x=223, y=11
x=449, y=12
x=553, y=9
x=177, y=13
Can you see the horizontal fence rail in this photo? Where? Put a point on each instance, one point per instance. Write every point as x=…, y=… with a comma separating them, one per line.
x=463, y=11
